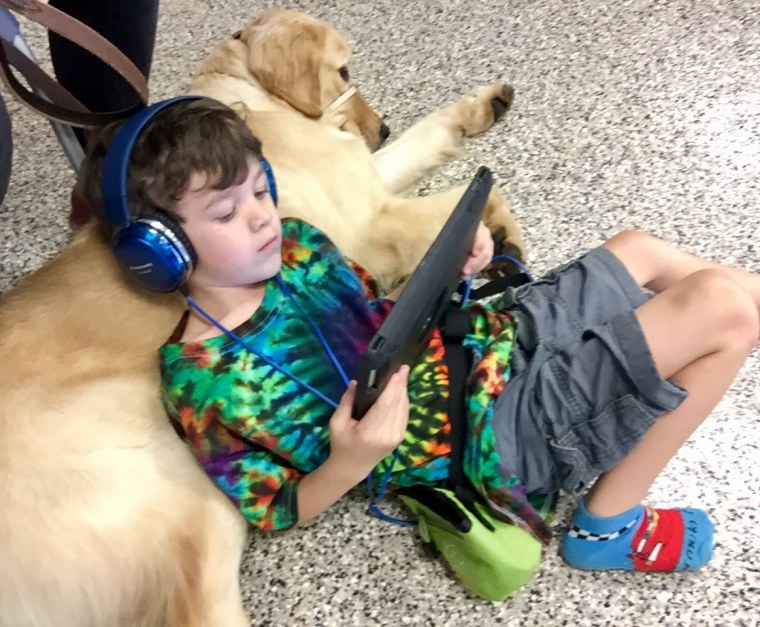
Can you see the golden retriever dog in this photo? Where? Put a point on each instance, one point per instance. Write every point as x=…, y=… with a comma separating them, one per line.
x=106, y=520
x=288, y=75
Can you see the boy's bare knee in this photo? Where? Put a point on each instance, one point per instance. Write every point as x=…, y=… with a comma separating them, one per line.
x=630, y=240
x=637, y=251
x=730, y=312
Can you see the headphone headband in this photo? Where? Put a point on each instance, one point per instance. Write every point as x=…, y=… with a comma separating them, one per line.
x=116, y=164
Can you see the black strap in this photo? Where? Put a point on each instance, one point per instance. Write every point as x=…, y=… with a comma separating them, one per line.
x=498, y=285
x=455, y=326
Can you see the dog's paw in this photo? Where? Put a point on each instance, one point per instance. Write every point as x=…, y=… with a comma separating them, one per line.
x=506, y=232
x=503, y=245
x=485, y=106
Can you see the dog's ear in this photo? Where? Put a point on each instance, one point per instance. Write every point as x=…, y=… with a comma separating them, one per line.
x=286, y=60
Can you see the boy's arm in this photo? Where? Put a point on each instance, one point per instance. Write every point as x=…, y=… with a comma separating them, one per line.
x=356, y=446
x=320, y=489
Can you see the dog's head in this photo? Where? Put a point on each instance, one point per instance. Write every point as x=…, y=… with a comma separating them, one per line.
x=305, y=62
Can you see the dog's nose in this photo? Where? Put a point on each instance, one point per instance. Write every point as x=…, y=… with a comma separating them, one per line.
x=384, y=132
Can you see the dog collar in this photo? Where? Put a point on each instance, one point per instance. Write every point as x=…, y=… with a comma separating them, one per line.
x=341, y=100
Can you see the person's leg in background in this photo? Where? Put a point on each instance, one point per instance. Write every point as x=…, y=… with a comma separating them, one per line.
x=128, y=24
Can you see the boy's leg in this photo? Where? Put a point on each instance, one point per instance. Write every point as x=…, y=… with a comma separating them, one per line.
x=656, y=264
x=128, y=24
x=699, y=331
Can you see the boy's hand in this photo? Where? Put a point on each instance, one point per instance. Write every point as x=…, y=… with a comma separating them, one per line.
x=481, y=252
x=358, y=445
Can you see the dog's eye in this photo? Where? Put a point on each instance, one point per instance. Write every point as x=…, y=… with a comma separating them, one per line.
x=344, y=73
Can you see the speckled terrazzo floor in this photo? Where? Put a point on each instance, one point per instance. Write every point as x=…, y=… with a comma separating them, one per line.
x=628, y=114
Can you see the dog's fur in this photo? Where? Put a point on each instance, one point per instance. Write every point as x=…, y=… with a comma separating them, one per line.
x=284, y=68
x=105, y=518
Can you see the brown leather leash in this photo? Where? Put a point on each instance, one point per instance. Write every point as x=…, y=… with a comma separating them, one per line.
x=57, y=103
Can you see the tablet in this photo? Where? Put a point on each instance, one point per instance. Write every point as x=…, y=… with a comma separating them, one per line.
x=407, y=329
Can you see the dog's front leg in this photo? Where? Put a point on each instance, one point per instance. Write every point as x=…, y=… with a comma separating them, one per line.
x=405, y=228
x=438, y=137
x=507, y=234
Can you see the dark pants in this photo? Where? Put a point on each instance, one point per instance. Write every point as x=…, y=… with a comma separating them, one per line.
x=128, y=24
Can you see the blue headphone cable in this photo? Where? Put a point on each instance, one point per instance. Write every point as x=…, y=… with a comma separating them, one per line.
x=375, y=499
x=239, y=340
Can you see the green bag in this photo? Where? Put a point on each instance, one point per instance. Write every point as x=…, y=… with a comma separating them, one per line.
x=492, y=558
x=492, y=563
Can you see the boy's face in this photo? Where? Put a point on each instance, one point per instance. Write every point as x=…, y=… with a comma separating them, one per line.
x=236, y=231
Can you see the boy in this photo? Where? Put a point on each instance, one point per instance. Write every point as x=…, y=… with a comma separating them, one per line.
x=575, y=377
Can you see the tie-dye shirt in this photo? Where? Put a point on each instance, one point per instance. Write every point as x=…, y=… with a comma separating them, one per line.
x=256, y=431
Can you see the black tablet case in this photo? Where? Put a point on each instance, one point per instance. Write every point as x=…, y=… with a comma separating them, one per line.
x=419, y=309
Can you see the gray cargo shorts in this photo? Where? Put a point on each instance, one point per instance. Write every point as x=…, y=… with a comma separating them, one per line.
x=584, y=388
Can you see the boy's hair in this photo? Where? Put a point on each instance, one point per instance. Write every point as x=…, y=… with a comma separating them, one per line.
x=194, y=136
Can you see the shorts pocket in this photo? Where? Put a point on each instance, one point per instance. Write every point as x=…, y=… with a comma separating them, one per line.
x=592, y=447
x=570, y=467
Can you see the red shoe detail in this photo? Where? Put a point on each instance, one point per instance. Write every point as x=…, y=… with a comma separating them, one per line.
x=658, y=541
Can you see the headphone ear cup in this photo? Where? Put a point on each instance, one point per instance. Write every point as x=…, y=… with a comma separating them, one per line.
x=271, y=184
x=174, y=228
x=155, y=251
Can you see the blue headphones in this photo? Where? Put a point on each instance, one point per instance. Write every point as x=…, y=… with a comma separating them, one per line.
x=152, y=246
